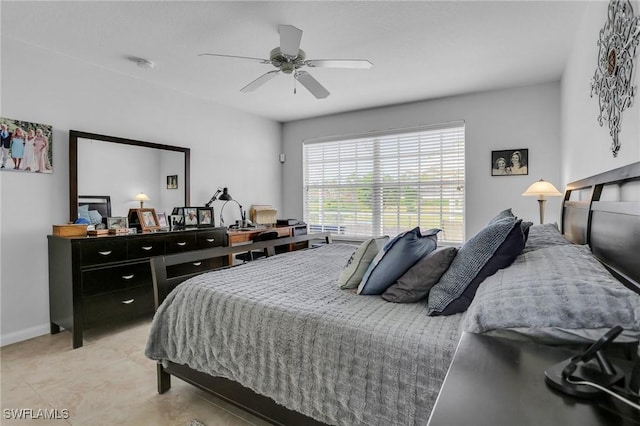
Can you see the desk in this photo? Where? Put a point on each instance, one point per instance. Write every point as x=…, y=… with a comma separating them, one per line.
x=235, y=237
x=494, y=381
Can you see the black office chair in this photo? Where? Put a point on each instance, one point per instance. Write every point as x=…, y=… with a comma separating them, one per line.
x=253, y=255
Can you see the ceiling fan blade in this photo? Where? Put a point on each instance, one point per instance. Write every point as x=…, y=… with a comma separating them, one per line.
x=339, y=63
x=259, y=81
x=311, y=84
x=262, y=61
x=290, y=38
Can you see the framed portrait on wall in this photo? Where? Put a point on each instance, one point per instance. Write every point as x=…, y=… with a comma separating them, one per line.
x=25, y=146
x=510, y=162
x=172, y=182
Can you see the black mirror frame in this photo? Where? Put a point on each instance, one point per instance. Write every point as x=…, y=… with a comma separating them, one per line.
x=73, y=163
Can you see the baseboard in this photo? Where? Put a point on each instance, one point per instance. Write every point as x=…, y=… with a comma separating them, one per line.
x=26, y=334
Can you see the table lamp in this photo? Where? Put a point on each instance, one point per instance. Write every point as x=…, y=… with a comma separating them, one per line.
x=142, y=197
x=540, y=189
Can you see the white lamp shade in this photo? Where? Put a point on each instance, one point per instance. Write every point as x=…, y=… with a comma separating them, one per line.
x=142, y=197
x=542, y=188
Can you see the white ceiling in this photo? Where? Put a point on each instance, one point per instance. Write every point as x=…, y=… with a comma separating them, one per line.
x=420, y=49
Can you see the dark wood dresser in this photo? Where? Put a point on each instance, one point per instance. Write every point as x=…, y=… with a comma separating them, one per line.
x=101, y=280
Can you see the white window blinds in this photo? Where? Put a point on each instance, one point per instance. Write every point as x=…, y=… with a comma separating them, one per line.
x=384, y=184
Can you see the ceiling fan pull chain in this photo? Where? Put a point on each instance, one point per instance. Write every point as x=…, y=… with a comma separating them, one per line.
x=295, y=83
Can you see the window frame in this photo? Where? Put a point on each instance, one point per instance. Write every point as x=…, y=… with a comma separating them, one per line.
x=450, y=129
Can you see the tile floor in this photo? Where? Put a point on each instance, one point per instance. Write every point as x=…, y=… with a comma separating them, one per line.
x=108, y=381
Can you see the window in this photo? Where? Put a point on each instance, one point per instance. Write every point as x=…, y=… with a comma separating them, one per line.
x=387, y=183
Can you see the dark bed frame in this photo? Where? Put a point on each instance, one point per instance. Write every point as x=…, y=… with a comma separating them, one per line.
x=611, y=228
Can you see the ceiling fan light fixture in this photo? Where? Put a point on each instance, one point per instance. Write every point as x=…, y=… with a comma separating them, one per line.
x=288, y=58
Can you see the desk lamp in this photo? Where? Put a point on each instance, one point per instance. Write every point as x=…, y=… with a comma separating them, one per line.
x=142, y=197
x=215, y=197
x=225, y=196
x=540, y=189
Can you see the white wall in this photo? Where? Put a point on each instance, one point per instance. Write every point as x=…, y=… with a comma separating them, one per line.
x=586, y=145
x=527, y=117
x=45, y=87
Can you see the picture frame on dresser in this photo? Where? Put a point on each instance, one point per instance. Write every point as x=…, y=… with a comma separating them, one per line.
x=190, y=216
x=146, y=219
x=176, y=222
x=205, y=217
x=162, y=220
x=117, y=223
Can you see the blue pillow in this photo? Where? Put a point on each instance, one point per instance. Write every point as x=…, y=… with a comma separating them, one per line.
x=395, y=258
x=83, y=212
x=493, y=248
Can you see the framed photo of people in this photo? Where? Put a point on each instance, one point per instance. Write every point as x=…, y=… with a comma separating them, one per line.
x=205, y=216
x=192, y=217
x=25, y=146
x=510, y=162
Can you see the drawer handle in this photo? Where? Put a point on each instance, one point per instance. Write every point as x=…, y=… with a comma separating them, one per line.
x=128, y=302
x=147, y=248
x=105, y=253
x=197, y=263
x=127, y=277
x=210, y=240
x=182, y=244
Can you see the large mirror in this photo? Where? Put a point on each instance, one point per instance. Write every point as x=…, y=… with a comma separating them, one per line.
x=122, y=168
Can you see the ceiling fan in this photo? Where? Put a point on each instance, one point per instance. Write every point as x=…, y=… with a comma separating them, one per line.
x=288, y=58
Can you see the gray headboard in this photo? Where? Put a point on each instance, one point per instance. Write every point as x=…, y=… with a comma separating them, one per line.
x=606, y=216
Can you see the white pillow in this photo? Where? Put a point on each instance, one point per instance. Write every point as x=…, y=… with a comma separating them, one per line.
x=359, y=262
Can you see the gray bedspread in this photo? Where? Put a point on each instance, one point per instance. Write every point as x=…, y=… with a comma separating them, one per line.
x=282, y=327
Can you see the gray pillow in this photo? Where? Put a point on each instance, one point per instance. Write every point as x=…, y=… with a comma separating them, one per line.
x=547, y=235
x=558, y=294
x=415, y=284
x=506, y=213
x=470, y=262
x=359, y=262
x=95, y=217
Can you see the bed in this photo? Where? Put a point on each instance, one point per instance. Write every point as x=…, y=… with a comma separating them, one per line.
x=279, y=338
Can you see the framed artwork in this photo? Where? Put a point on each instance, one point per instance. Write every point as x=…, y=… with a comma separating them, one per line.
x=146, y=219
x=190, y=216
x=172, y=182
x=25, y=146
x=162, y=220
x=117, y=223
x=510, y=162
x=205, y=216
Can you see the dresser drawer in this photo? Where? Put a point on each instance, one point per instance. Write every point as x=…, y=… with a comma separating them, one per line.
x=145, y=247
x=181, y=242
x=119, y=305
x=103, y=280
x=196, y=267
x=93, y=252
x=208, y=239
